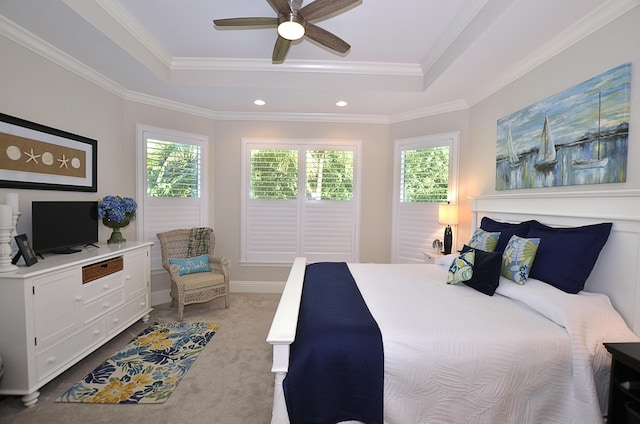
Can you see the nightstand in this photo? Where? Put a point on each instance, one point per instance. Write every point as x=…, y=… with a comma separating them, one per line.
x=624, y=388
x=431, y=257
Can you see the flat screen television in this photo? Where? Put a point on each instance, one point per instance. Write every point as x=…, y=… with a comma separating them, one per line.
x=60, y=227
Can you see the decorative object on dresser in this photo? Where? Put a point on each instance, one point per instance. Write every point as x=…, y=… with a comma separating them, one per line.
x=59, y=310
x=147, y=369
x=117, y=212
x=9, y=215
x=25, y=251
x=194, y=279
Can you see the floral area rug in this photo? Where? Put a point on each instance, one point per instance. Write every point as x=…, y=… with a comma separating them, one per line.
x=146, y=370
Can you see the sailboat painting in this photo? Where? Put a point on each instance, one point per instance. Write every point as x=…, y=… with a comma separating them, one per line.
x=577, y=136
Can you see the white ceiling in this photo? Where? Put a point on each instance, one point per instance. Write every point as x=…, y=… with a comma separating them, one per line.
x=408, y=58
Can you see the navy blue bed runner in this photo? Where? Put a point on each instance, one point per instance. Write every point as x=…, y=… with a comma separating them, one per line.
x=336, y=366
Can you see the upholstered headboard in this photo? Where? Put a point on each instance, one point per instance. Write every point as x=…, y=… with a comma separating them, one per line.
x=617, y=271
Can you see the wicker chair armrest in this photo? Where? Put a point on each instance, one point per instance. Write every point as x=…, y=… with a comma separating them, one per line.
x=174, y=271
x=220, y=264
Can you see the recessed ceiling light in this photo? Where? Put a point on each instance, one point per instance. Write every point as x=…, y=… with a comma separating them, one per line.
x=341, y=103
x=259, y=102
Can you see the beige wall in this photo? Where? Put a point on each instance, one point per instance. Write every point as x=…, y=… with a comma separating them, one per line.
x=35, y=89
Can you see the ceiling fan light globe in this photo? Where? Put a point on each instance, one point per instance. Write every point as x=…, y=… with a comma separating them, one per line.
x=291, y=29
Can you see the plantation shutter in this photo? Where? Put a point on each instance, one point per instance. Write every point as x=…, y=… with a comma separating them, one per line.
x=297, y=203
x=424, y=176
x=172, y=185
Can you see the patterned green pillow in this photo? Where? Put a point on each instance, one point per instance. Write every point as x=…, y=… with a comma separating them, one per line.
x=484, y=240
x=461, y=268
x=518, y=257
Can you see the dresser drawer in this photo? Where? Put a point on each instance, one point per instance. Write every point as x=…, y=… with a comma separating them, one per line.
x=129, y=313
x=61, y=353
x=101, y=269
x=103, y=305
x=97, y=288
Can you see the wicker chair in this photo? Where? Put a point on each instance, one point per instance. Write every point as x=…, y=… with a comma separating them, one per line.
x=193, y=288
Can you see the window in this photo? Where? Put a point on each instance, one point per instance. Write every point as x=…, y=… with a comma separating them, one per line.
x=425, y=175
x=171, y=183
x=300, y=199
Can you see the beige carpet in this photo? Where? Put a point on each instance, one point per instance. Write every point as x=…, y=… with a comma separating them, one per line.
x=230, y=383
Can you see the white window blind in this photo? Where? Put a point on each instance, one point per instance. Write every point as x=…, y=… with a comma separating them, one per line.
x=171, y=183
x=425, y=175
x=300, y=199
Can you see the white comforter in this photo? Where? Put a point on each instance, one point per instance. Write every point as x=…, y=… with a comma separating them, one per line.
x=529, y=354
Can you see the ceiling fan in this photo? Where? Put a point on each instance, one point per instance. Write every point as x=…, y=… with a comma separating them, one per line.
x=293, y=23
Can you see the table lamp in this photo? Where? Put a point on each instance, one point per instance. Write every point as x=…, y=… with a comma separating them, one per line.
x=448, y=215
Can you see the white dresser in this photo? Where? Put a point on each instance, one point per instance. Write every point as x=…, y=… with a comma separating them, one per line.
x=64, y=307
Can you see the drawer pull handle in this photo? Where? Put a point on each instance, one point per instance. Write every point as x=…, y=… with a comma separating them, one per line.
x=78, y=298
x=115, y=320
x=51, y=359
x=96, y=332
x=107, y=304
x=106, y=286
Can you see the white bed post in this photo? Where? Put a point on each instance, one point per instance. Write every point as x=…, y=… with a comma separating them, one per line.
x=283, y=333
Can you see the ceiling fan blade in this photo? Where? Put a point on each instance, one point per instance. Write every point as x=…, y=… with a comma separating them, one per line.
x=280, y=50
x=246, y=22
x=280, y=6
x=326, y=38
x=321, y=8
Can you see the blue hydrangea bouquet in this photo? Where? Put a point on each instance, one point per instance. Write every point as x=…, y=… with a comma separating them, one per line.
x=116, y=212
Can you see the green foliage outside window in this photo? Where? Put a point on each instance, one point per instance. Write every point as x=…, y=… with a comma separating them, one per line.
x=425, y=175
x=329, y=175
x=173, y=169
x=274, y=174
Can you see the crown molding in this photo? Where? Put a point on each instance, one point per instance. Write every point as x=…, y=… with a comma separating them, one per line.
x=586, y=26
x=310, y=66
x=429, y=111
x=43, y=49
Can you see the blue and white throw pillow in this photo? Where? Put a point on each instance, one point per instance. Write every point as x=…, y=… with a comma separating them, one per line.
x=518, y=257
x=484, y=240
x=192, y=265
x=461, y=268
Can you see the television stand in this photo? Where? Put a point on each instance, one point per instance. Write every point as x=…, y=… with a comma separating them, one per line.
x=57, y=312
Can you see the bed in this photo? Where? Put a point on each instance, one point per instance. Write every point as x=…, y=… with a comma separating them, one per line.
x=528, y=353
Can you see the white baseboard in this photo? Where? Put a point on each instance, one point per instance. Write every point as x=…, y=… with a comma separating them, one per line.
x=163, y=296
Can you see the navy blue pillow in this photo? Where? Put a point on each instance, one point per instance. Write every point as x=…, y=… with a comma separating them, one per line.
x=486, y=271
x=566, y=256
x=506, y=230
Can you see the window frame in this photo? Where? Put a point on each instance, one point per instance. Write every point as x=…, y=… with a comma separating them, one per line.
x=301, y=145
x=143, y=132
x=450, y=139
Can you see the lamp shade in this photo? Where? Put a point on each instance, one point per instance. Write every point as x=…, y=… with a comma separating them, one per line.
x=448, y=214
